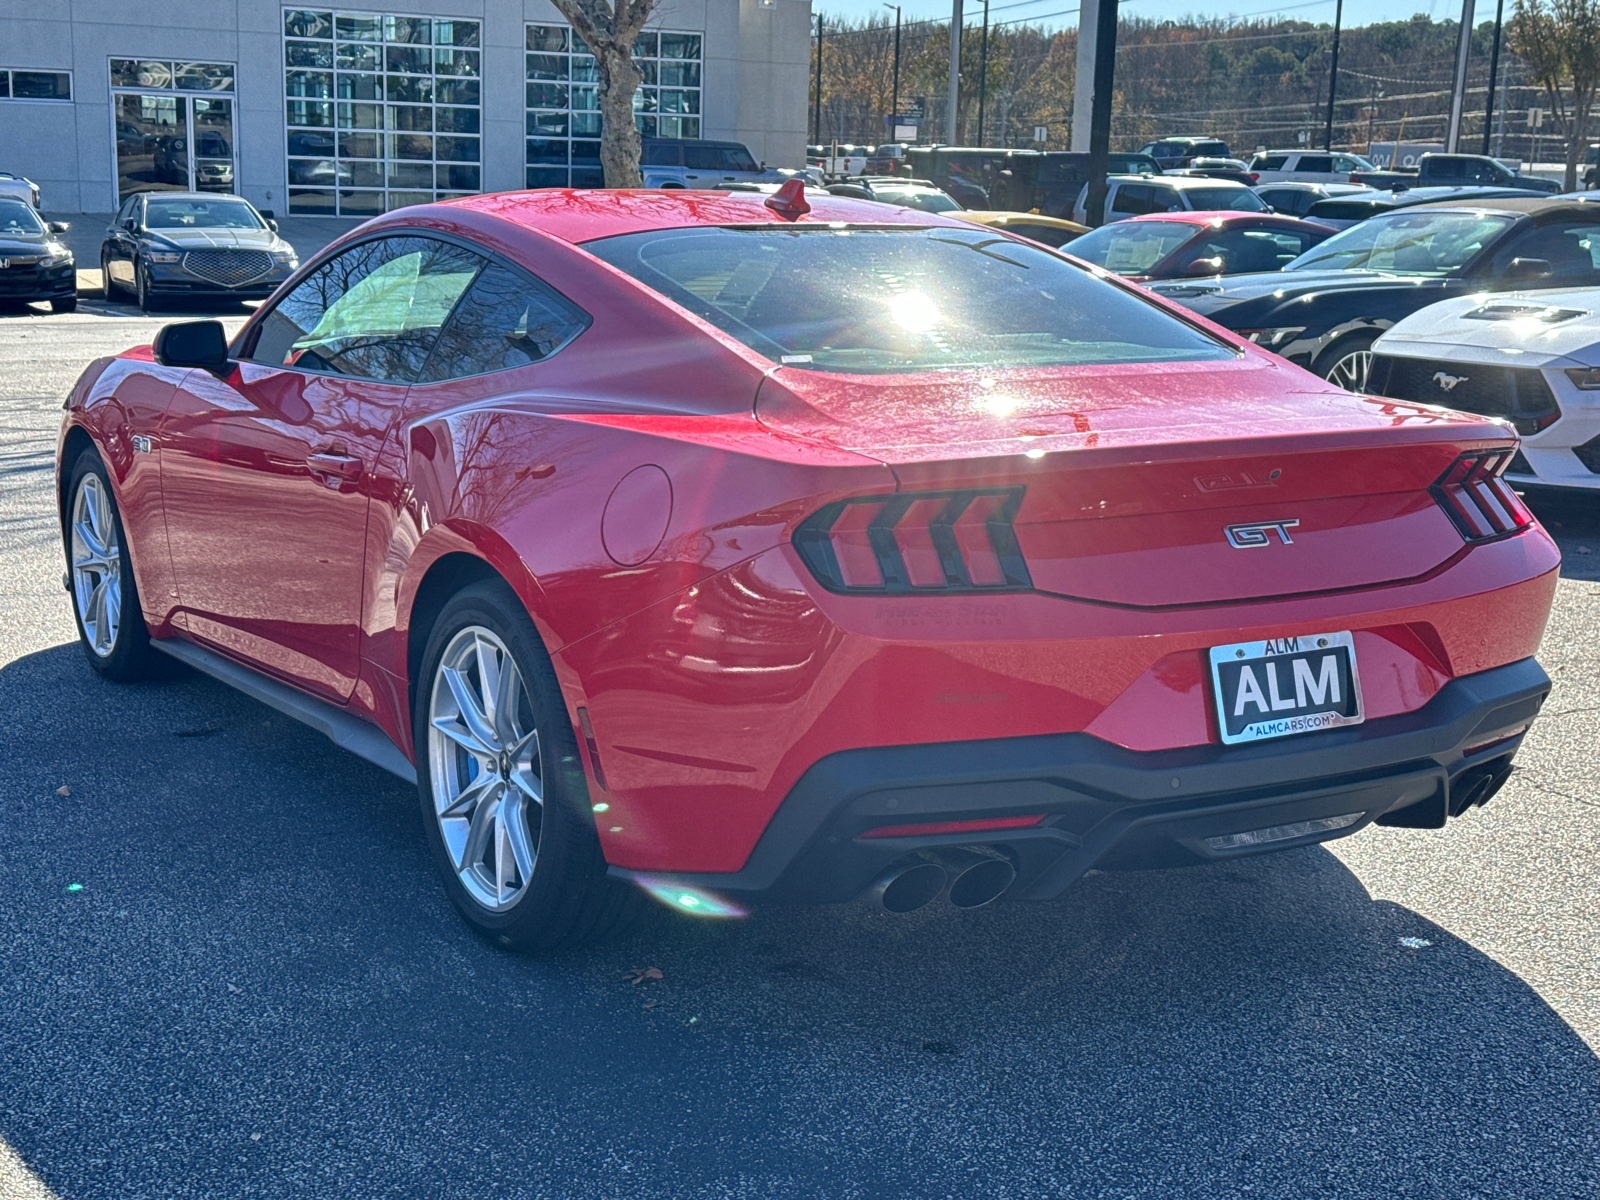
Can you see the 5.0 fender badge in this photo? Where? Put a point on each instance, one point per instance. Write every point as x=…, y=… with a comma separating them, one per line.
x=142, y=444
x=1246, y=537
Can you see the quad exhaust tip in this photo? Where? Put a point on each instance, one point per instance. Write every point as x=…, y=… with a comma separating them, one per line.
x=976, y=877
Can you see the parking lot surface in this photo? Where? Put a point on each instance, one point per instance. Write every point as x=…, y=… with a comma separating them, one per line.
x=227, y=969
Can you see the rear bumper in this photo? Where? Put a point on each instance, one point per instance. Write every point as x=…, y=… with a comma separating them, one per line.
x=1109, y=807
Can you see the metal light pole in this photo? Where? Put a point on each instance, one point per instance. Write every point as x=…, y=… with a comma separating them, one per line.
x=1105, y=69
x=816, y=121
x=955, y=74
x=1494, y=70
x=983, y=70
x=1333, y=76
x=1458, y=95
x=894, y=105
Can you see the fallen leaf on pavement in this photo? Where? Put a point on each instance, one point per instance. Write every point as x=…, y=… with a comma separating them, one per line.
x=640, y=974
x=63, y=790
x=235, y=991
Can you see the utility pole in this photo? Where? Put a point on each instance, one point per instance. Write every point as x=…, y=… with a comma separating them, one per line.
x=955, y=74
x=816, y=122
x=1494, y=70
x=1458, y=95
x=1105, y=69
x=983, y=70
x=894, y=105
x=1333, y=76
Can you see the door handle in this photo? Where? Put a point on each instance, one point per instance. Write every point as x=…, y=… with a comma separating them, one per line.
x=334, y=469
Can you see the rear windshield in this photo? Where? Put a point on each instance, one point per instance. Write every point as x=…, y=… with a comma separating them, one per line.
x=922, y=199
x=1132, y=247
x=1207, y=199
x=1346, y=210
x=893, y=301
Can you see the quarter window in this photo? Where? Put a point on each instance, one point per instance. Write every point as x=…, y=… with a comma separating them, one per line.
x=508, y=319
x=374, y=311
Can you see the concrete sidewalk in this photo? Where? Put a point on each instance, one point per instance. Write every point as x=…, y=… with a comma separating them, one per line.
x=306, y=234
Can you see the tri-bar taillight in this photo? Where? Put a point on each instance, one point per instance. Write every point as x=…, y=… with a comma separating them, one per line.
x=1479, y=502
x=947, y=541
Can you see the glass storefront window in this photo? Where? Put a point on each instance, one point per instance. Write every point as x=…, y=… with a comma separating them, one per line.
x=563, y=102
x=404, y=78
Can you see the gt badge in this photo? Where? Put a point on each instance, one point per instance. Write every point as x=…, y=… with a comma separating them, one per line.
x=1448, y=382
x=1245, y=537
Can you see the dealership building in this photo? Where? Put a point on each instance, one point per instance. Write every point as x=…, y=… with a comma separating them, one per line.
x=351, y=112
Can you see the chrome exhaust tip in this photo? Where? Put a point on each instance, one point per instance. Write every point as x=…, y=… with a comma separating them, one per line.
x=977, y=877
x=907, y=888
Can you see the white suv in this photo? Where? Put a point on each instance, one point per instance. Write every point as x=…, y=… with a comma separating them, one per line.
x=1306, y=166
x=18, y=188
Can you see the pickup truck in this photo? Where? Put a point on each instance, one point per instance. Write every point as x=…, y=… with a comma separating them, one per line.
x=1454, y=170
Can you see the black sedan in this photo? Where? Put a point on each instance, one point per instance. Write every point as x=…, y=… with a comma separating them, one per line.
x=196, y=245
x=33, y=264
x=1326, y=308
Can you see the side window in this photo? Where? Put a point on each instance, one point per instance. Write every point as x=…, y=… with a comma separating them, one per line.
x=1345, y=165
x=1164, y=199
x=1132, y=199
x=703, y=158
x=1269, y=162
x=374, y=311
x=1319, y=163
x=507, y=319
x=661, y=154
x=126, y=210
x=1571, y=250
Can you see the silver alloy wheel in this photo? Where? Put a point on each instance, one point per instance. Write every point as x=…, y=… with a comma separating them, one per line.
x=1352, y=371
x=485, y=768
x=96, y=565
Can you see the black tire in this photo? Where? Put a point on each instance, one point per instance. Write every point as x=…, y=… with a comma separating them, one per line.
x=64, y=304
x=568, y=898
x=110, y=285
x=144, y=297
x=129, y=657
x=1338, y=358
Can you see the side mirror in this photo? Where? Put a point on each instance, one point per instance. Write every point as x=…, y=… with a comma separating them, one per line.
x=130, y=224
x=58, y=226
x=201, y=344
x=272, y=225
x=1528, y=268
x=1204, y=266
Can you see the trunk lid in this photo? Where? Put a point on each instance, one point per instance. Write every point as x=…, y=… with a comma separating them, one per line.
x=1133, y=474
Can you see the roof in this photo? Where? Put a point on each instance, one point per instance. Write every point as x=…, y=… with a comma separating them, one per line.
x=1181, y=182
x=155, y=194
x=1535, y=206
x=582, y=214
x=1224, y=216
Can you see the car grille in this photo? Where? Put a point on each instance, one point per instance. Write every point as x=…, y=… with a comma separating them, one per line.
x=1519, y=394
x=20, y=264
x=228, y=268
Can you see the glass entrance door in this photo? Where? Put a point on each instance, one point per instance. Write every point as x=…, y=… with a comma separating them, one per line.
x=173, y=143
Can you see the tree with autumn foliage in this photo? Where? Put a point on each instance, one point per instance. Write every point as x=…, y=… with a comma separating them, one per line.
x=1560, y=42
x=609, y=28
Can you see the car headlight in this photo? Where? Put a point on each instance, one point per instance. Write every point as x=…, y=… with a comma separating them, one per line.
x=55, y=256
x=164, y=256
x=1585, y=378
x=286, y=258
x=1273, y=338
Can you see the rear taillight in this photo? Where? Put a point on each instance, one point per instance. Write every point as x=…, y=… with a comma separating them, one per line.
x=951, y=541
x=1480, y=503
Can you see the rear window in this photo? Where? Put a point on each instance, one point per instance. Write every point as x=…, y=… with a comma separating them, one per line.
x=1213, y=199
x=903, y=300
x=921, y=199
x=1346, y=210
x=1268, y=162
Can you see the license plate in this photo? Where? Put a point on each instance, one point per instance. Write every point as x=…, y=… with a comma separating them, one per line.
x=1284, y=686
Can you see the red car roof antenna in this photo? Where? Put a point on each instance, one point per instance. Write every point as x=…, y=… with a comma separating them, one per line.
x=789, y=201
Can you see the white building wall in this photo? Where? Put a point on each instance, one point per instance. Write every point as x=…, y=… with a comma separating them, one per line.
x=754, y=83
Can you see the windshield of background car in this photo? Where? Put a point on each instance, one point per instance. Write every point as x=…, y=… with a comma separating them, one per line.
x=891, y=301
x=200, y=214
x=18, y=219
x=1406, y=243
x=1131, y=247
x=921, y=199
x=1208, y=199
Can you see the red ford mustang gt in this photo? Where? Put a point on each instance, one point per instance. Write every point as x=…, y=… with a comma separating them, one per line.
x=751, y=549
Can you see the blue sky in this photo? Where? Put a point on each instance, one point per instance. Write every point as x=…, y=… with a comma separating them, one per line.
x=1062, y=13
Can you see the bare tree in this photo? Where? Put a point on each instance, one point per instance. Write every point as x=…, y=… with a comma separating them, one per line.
x=1560, y=42
x=610, y=28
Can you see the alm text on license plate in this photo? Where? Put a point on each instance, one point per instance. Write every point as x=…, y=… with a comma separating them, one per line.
x=1286, y=685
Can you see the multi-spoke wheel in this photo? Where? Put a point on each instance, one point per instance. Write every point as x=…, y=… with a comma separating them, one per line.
x=483, y=762
x=1348, y=364
x=503, y=795
x=105, y=598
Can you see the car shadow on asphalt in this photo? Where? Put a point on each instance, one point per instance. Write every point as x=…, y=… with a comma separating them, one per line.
x=1573, y=519
x=229, y=969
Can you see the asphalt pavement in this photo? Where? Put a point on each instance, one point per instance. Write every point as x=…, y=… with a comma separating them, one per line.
x=227, y=969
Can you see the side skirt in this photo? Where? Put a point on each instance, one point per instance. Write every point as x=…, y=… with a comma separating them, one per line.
x=361, y=738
